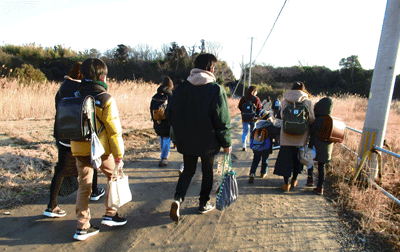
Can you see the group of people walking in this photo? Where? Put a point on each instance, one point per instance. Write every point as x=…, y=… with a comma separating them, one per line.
x=272, y=118
x=195, y=118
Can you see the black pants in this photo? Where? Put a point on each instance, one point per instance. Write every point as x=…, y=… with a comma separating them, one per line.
x=190, y=163
x=66, y=166
x=321, y=174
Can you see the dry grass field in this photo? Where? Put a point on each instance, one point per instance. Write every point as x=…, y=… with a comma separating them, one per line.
x=28, y=152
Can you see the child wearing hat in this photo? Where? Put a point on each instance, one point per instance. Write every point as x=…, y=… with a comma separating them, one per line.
x=265, y=121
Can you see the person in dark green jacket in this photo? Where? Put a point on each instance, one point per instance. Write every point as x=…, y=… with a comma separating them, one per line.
x=323, y=148
x=199, y=115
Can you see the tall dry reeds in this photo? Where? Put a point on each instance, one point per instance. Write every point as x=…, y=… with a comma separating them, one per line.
x=36, y=100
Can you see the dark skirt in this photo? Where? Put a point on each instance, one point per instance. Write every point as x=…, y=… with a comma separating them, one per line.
x=287, y=161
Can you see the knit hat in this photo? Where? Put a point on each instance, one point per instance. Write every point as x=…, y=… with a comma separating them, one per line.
x=168, y=82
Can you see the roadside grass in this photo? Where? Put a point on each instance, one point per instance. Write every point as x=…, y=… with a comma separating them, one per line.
x=368, y=209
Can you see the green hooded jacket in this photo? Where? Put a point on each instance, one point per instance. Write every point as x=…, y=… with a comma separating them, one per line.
x=199, y=115
x=323, y=148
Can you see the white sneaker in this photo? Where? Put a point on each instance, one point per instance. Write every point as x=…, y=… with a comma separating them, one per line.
x=174, y=213
x=83, y=234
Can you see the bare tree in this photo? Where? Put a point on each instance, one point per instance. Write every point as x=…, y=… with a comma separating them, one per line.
x=214, y=48
x=92, y=53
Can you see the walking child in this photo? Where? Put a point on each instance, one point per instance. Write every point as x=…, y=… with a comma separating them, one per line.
x=323, y=148
x=94, y=83
x=161, y=126
x=264, y=131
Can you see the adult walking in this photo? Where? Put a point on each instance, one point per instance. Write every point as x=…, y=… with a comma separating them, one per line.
x=249, y=106
x=199, y=115
x=288, y=161
x=161, y=125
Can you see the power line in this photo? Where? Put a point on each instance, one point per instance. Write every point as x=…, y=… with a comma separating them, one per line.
x=271, y=30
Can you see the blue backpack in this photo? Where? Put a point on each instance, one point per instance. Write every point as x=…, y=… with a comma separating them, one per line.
x=260, y=141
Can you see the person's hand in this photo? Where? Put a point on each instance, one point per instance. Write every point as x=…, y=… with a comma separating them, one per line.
x=228, y=150
x=119, y=163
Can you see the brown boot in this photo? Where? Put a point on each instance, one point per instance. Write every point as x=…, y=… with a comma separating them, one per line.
x=286, y=187
x=294, y=182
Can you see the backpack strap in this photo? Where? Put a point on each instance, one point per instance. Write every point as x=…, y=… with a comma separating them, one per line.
x=102, y=101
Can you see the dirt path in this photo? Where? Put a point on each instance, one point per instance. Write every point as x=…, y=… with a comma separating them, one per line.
x=262, y=219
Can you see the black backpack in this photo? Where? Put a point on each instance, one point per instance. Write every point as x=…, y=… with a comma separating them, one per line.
x=295, y=118
x=76, y=118
x=248, y=109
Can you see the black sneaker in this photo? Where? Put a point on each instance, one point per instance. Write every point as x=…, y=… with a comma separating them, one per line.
x=206, y=208
x=113, y=221
x=162, y=163
x=174, y=213
x=83, y=234
x=57, y=212
x=251, y=178
x=96, y=195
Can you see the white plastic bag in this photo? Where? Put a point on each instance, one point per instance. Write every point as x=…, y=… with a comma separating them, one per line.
x=97, y=150
x=306, y=156
x=119, y=192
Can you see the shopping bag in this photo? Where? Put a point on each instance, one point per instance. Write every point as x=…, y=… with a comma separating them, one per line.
x=68, y=186
x=306, y=156
x=228, y=192
x=119, y=192
x=97, y=150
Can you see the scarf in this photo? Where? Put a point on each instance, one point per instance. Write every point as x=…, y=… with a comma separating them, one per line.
x=101, y=83
x=200, y=77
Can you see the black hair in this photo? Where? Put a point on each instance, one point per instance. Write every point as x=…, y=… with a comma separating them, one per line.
x=93, y=69
x=205, y=61
x=298, y=85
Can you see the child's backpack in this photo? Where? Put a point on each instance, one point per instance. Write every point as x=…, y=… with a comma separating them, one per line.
x=159, y=112
x=259, y=141
x=248, y=110
x=333, y=129
x=76, y=118
x=295, y=118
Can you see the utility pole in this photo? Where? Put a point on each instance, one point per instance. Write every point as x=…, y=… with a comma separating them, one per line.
x=244, y=75
x=251, y=52
x=382, y=86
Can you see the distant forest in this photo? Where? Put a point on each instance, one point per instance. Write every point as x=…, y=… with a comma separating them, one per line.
x=33, y=62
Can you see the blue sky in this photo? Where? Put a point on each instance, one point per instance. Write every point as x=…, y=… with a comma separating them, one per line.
x=308, y=32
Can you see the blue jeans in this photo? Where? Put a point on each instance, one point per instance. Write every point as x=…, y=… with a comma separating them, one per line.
x=165, y=143
x=246, y=127
x=256, y=160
